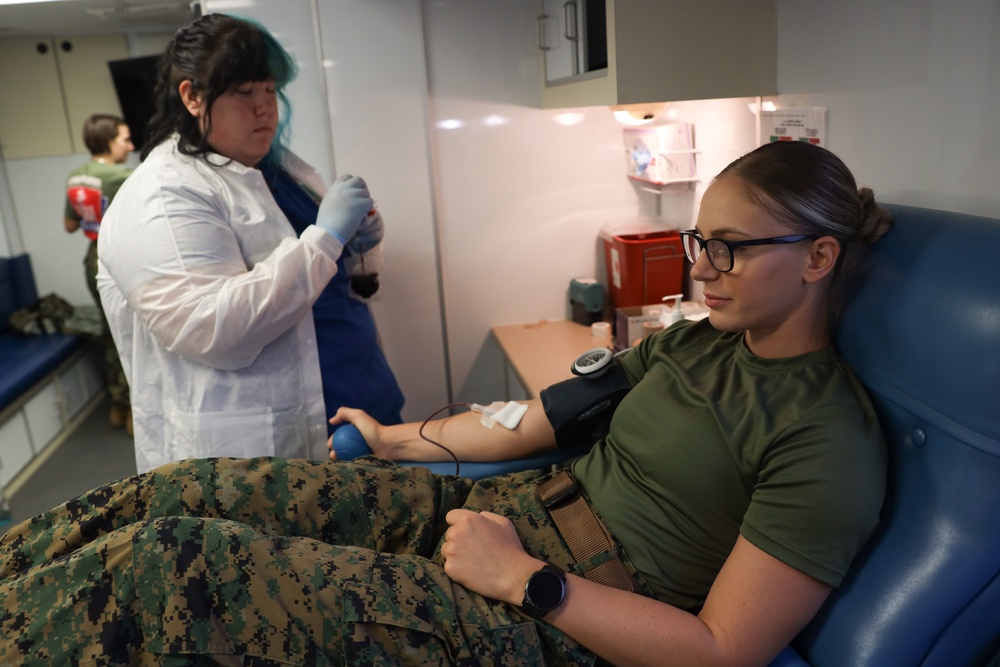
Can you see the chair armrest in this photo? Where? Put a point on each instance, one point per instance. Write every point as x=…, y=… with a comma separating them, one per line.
x=789, y=658
x=348, y=444
x=479, y=469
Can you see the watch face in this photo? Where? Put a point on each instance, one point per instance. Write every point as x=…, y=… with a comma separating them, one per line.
x=545, y=589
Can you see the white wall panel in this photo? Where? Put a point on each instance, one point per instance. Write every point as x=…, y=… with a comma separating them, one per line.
x=40, y=196
x=377, y=86
x=912, y=92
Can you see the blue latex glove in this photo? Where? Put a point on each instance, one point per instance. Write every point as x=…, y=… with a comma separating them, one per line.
x=370, y=234
x=344, y=207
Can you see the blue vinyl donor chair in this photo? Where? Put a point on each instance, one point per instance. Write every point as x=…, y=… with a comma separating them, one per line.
x=923, y=335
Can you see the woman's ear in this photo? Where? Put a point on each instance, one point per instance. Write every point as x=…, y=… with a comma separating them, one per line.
x=190, y=98
x=823, y=255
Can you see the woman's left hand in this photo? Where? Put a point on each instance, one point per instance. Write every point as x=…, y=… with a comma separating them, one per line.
x=483, y=553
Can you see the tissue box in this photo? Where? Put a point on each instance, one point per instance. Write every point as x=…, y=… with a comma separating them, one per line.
x=629, y=321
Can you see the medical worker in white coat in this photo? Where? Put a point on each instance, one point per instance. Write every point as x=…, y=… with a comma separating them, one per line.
x=207, y=288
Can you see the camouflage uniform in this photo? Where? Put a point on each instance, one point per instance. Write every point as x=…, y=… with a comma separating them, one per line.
x=117, y=385
x=232, y=562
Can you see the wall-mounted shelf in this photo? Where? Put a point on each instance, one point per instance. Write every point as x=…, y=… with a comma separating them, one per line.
x=659, y=186
x=662, y=158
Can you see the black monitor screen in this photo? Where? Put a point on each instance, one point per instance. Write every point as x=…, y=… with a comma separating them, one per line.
x=135, y=83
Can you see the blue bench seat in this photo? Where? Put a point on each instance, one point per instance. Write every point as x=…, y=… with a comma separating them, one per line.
x=25, y=360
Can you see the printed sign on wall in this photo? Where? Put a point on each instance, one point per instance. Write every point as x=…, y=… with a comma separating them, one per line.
x=794, y=124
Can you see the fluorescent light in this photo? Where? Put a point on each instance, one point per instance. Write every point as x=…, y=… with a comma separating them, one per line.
x=24, y=2
x=495, y=121
x=568, y=119
x=638, y=114
x=626, y=118
x=765, y=106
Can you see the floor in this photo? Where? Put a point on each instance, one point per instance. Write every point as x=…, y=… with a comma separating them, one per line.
x=94, y=455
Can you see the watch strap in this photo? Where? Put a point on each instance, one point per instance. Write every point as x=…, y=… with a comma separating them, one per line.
x=537, y=607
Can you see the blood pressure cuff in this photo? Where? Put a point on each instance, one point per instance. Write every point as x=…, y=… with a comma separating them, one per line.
x=580, y=409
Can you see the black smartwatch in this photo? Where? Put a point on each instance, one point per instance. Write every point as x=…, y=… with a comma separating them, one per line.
x=545, y=591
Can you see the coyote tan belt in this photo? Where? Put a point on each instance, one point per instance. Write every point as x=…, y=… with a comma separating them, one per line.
x=585, y=534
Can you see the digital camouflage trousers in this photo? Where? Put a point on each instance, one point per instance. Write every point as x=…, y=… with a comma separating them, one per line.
x=268, y=562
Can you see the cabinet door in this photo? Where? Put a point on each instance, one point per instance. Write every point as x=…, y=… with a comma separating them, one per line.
x=15, y=448
x=50, y=87
x=86, y=79
x=515, y=390
x=672, y=50
x=32, y=113
x=81, y=382
x=558, y=39
x=695, y=49
x=44, y=416
x=573, y=37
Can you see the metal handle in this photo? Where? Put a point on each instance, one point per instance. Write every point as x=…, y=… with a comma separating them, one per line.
x=575, y=37
x=540, y=25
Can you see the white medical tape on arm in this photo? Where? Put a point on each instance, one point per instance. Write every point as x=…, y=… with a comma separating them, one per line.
x=507, y=414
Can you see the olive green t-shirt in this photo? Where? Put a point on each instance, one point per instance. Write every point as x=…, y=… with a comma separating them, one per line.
x=89, y=190
x=713, y=442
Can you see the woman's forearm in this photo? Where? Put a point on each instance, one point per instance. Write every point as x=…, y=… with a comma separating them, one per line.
x=756, y=605
x=468, y=439
x=629, y=629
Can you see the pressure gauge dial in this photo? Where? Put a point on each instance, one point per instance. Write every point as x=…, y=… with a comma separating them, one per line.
x=592, y=362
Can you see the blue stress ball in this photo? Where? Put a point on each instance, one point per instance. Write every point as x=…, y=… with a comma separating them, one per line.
x=348, y=443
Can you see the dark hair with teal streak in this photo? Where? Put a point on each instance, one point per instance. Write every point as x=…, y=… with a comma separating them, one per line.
x=218, y=52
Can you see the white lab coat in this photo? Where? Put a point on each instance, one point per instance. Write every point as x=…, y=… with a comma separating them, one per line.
x=208, y=294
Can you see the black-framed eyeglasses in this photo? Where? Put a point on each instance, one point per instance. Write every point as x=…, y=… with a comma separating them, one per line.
x=721, y=252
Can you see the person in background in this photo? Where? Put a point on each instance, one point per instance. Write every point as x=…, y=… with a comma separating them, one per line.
x=743, y=471
x=90, y=188
x=208, y=288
